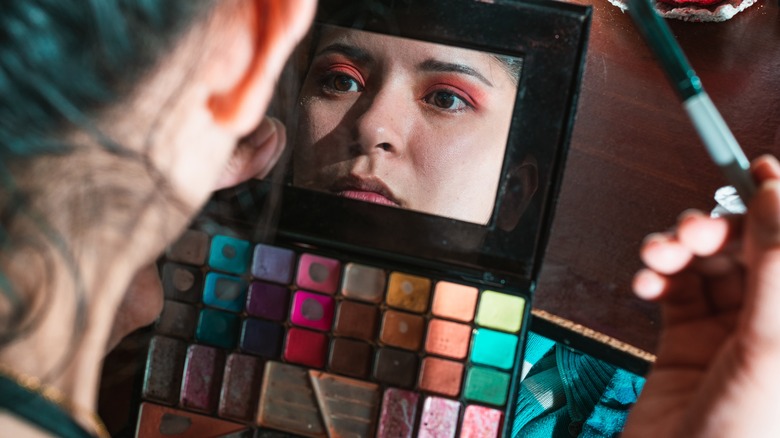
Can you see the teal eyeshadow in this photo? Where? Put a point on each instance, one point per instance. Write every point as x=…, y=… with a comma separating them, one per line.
x=485, y=385
x=229, y=254
x=218, y=328
x=224, y=292
x=494, y=348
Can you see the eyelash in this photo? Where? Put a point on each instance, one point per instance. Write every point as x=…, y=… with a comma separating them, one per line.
x=338, y=72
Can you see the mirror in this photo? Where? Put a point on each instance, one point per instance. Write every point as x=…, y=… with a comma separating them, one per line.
x=403, y=123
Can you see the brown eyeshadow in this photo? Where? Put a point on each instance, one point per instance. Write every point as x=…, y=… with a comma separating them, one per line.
x=395, y=367
x=404, y=330
x=441, y=376
x=191, y=248
x=350, y=357
x=348, y=407
x=356, y=320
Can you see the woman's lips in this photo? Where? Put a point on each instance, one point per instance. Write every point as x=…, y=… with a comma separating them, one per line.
x=369, y=189
x=374, y=197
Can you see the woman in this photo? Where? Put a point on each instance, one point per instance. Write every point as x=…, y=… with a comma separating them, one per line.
x=405, y=123
x=118, y=120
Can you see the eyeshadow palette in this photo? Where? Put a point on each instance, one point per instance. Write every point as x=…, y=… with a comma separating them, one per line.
x=313, y=345
x=364, y=319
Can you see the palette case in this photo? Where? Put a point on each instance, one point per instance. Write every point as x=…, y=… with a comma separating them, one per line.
x=295, y=313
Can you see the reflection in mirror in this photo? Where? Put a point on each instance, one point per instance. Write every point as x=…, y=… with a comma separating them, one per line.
x=404, y=123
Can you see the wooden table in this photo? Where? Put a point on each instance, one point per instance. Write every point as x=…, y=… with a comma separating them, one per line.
x=636, y=161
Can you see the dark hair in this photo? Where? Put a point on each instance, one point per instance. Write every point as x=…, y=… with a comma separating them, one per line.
x=61, y=63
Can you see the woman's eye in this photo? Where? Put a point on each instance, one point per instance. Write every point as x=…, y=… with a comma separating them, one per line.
x=447, y=101
x=342, y=83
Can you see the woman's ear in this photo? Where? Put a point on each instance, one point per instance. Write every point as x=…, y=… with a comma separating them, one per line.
x=245, y=70
x=519, y=187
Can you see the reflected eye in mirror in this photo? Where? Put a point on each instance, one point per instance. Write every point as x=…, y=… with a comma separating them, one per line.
x=404, y=123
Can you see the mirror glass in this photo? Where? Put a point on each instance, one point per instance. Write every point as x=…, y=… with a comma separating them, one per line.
x=401, y=122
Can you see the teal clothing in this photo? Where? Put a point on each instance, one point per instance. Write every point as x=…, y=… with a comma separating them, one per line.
x=569, y=394
x=32, y=408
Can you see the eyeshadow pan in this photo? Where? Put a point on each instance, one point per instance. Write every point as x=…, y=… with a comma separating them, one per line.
x=261, y=338
x=439, y=418
x=177, y=320
x=191, y=248
x=350, y=357
x=364, y=283
x=500, y=311
x=448, y=339
x=202, y=378
x=399, y=411
x=229, y=254
x=356, y=320
x=312, y=310
x=287, y=401
x=454, y=301
x=182, y=283
x=164, y=365
x=480, y=422
x=319, y=274
x=486, y=386
x=441, y=376
x=401, y=329
x=408, y=292
x=396, y=367
x=273, y=264
x=266, y=300
x=224, y=292
x=217, y=328
x=238, y=397
x=494, y=348
x=348, y=406
x=155, y=420
x=306, y=347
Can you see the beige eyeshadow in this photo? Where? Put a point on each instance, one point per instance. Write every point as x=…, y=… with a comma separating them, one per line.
x=408, y=292
x=363, y=283
x=441, y=376
x=449, y=339
x=401, y=329
x=454, y=301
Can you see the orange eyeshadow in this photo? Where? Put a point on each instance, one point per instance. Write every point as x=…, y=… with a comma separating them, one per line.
x=448, y=339
x=454, y=301
x=441, y=376
x=408, y=292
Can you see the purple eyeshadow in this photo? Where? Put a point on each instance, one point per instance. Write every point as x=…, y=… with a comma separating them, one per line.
x=267, y=301
x=202, y=378
x=261, y=338
x=273, y=264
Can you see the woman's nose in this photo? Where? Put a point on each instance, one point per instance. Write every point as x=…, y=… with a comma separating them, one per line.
x=382, y=122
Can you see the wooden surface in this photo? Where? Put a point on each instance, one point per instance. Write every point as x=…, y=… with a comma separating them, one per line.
x=636, y=161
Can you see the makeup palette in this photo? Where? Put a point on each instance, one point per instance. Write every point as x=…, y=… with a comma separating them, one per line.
x=362, y=320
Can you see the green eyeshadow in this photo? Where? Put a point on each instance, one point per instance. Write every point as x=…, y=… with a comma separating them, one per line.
x=486, y=386
x=500, y=311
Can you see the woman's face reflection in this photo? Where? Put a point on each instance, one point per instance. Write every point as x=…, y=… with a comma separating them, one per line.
x=404, y=123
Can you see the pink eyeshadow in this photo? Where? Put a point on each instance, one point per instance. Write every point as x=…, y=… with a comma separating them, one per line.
x=306, y=347
x=312, y=310
x=399, y=409
x=439, y=418
x=454, y=301
x=320, y=274
x=480, y=422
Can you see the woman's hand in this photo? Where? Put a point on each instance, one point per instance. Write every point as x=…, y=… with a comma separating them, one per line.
x=718, y=283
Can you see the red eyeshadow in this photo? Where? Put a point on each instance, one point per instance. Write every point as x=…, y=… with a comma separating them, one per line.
x=306, y=347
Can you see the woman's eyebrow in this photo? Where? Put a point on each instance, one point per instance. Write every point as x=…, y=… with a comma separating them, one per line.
x=355, y=53
x=433, y=65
